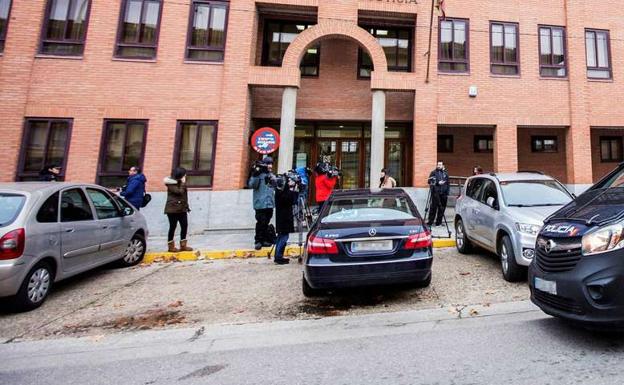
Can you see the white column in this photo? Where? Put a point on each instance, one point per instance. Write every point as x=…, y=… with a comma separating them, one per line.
x=378, y=134
x=287, y=129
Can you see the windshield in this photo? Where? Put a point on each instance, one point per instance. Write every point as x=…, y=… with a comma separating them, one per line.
x=368, y=210
x=10, y=207
x=535, y=193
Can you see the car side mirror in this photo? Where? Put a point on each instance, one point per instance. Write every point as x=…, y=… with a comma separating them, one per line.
x=491, y=201
x=127, y=211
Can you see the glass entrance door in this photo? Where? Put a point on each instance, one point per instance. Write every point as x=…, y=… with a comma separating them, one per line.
x=346, y=155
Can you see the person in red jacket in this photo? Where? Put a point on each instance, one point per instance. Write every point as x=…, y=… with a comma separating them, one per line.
x=324, y=183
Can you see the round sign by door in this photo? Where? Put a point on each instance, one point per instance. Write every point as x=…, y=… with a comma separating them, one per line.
x=265, y=140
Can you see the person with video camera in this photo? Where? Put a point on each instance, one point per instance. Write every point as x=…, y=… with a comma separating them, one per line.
x=261, y=181
x=325, y=181
x=439, y=185
x=286, y=195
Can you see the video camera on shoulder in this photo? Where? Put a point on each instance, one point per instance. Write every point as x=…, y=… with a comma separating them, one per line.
x=327, y=169
x=259, y=167
x=290, y=178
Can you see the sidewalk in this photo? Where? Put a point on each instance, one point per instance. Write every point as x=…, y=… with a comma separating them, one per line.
x=229, y=244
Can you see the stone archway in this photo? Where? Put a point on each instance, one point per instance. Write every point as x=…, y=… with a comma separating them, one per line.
x=325, y=30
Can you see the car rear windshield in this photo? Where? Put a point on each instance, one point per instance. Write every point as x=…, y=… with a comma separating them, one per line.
x=10, y=207
x=535, y=193
x=368, y=209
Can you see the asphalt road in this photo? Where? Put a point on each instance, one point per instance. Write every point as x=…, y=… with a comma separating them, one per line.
x=507, y=343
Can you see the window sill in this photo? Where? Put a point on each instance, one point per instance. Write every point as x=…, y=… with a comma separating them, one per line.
x=454, y=73
x=565, y=79
x=199, y=188
x=42, y=56
x=123, y=59
x=505, y=76
x=210, y=63
x=592, y=80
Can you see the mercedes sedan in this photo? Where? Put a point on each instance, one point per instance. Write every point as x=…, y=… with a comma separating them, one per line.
x=367, y=237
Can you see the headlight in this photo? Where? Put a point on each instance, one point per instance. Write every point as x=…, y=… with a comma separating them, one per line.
x=604, y=239
x=528, y=228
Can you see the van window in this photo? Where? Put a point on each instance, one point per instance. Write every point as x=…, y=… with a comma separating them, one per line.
x=48, y=213
x=75, y=207
x=10, y=207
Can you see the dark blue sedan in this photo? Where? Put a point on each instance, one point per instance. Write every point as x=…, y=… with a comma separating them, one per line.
x=367, y=237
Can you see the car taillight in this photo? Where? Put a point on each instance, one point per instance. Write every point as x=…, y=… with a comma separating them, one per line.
x=418, y=241
x=317, y=245
x=12, y=244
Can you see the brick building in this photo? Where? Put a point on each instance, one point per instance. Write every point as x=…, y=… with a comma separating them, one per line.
x=99, y=85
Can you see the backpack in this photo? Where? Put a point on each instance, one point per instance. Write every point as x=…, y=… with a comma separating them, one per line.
x=147, y=198
x=271, y=233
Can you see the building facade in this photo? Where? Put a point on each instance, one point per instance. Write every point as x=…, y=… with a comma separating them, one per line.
x=98, y=86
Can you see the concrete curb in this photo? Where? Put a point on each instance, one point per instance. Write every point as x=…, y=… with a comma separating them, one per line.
x=291, y=251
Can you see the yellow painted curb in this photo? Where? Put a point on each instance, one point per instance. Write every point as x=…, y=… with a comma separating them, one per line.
x=292, y=251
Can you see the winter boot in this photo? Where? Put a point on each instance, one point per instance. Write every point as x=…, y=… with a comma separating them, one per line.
x=184, y=247
x=172, y=248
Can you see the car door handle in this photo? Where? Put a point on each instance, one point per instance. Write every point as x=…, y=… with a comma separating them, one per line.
x=104, y=227
x=69, y=230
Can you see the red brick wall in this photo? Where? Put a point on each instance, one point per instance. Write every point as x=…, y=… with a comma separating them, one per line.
x=553, y=164
x=464, y=159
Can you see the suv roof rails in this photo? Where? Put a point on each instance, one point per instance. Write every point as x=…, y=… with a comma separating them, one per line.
x=531, y=172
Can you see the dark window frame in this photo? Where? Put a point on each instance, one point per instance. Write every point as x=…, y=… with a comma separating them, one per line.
x=265, y=43
x=505, y=63
x=449, y=150
x=454, y=61
x=543, y=138
x=610, y=158
x=122, y=16
x=46, y=20
x=565, y=51
x=489, y=138
x=410, y=49
x=104, y=147
x=191, y=21
x=595, y=31
x=20, y=174
x=178, y=144
x=4, y=33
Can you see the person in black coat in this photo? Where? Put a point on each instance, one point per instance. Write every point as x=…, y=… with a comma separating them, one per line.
x=439, y=185
x=50, y=173
x=286, y=195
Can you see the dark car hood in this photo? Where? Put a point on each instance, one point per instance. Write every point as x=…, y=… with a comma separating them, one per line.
x=592, y=208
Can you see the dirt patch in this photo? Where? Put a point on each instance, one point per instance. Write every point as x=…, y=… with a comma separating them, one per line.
x=151, y=319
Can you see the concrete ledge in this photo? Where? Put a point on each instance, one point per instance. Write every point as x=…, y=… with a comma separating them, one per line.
x=291, y=251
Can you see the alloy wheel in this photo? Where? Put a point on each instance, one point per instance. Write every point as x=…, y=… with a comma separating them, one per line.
x=134, y=251
x=459, y=237
x=38, y=285
x=504, y=258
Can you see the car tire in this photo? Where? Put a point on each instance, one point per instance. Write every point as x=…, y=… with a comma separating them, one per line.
x=134, y=252
x=309, y=291
x=35, y=287
x=512, y=272
x=462, y=242
x=424, y=283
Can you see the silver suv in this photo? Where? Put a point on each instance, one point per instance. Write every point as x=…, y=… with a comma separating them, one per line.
x=51, y=231
x=503, y=213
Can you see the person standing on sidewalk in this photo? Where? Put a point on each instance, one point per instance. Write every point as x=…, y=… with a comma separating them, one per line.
x=177, y=209
x=263, y=200
x=439, y=185
x=134, y=190
x=286, y=195
x=386, y=181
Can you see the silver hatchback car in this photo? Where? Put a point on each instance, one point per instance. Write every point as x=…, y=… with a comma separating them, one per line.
x=51, y=231
x=503, y=213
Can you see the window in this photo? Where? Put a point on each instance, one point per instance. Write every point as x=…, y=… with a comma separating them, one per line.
x=488, y=191
x=453, y=46
x=598, y=50
x=195, y=151
x=611, y=149
x=504, y=43
x=123, y=146
x=75, y=207
x=45, y=142
x=473, y=190
x=5, y=8
x=206, y=37
x=483, y=143
x=445, y=143
x=48, y=213
x=552, y=51
x=139, y=26
x=397, y=45
x=278, y=34
x=65, y=27
x=544, y=144
x=105, y=208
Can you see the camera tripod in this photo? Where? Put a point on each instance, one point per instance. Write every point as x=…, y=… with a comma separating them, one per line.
x=430, y=197
x=303, y=219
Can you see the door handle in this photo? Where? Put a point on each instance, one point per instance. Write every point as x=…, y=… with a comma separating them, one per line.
x=104, y=227
x=69, y=230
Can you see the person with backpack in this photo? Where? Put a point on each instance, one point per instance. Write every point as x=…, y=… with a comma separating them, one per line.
x=134, y=190
x=177, y=209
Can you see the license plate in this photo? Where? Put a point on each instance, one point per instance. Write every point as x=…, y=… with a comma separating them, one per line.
x=549, y=287
x=370, y=246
